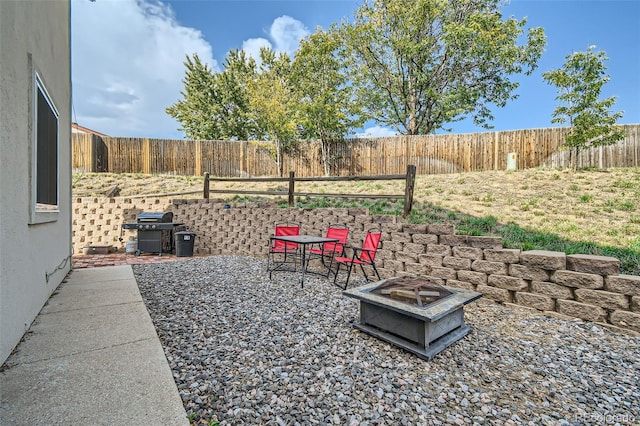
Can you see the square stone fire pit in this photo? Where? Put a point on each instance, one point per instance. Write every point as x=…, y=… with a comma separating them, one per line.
x=415, y=314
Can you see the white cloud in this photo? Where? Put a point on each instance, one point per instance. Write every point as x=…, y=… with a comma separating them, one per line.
x=252, y=47
x=286, y=33
x=127, y=65
x=377, y=132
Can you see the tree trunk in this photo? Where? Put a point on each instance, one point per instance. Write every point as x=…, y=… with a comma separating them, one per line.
x=325, y=156
x=279, y=162
x=577, y=156
x=413, y=102
x=573, y=158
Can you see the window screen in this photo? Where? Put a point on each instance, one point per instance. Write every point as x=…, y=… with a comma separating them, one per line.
x=47, y=151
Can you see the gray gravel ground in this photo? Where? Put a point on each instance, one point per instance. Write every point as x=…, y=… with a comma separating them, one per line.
x=247, y=350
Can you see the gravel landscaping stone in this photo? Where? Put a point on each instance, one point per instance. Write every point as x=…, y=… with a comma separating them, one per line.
x=248, y=350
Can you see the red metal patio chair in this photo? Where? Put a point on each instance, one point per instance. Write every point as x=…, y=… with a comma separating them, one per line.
x=282, y=252
x=328, y=251
x=362, y=256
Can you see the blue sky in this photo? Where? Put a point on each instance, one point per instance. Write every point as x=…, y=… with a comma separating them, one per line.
x=127, y=55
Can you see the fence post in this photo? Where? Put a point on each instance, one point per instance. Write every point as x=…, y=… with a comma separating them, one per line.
x=408, y=189
x=146, y=156
x=198, y=160
x=93, y=163
x=292, y=185
x=205, y=195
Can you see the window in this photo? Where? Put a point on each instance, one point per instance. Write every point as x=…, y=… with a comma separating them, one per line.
x=45, y=156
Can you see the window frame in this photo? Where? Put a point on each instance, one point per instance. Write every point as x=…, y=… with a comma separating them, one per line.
x=43, y=212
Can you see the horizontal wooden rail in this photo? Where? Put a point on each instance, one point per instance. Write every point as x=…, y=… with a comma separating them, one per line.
x=258, y=179
x=239, y=191
x=409, y=178
x=168, y=194
x=304, y=194
x=350, y=178
x=320, y=194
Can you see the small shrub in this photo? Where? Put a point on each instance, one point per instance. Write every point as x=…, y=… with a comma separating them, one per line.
x=624, y=184
x=627, y=205
x=488, y=198
x=533, y=201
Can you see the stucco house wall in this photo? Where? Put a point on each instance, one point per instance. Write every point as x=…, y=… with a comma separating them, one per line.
x=35, y=246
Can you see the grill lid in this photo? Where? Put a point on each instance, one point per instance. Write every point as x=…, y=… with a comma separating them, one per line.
x=157, y=217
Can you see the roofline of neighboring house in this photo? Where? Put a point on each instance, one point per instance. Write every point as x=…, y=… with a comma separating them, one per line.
x=87, y=130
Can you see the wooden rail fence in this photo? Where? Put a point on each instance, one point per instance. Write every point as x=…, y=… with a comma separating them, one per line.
x=430, y=154
x=409, y=178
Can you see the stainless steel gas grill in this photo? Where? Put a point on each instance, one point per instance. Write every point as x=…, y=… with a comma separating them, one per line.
x=155, y=232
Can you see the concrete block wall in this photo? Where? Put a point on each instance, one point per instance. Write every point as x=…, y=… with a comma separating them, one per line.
x=582, y=286
x=97, y=221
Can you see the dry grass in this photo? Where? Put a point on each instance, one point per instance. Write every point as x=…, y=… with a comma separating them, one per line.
x=598, y=206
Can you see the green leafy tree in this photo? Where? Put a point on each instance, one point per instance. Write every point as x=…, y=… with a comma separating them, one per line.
x=195, y=110
x=327, y=109
x=216, y=105
x=272, y=103
x=420, y=64
x=579, y=83
x=233, y=97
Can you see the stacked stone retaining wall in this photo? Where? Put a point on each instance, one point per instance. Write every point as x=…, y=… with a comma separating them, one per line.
x=583, y=286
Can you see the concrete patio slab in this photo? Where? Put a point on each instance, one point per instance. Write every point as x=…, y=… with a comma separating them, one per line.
x=124, y=385
x=92, y=356
x=94, y=294
x=82, y=330
x=105, y=273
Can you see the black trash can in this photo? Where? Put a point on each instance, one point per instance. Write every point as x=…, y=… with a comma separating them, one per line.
x=184, y=243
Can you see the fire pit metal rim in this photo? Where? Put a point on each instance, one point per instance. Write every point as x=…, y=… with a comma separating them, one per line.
x=456, y=300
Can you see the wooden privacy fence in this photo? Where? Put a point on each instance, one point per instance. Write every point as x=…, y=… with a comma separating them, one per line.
x=89, y=153
x=409, y=178
x=169, y=156
x=450, y=153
